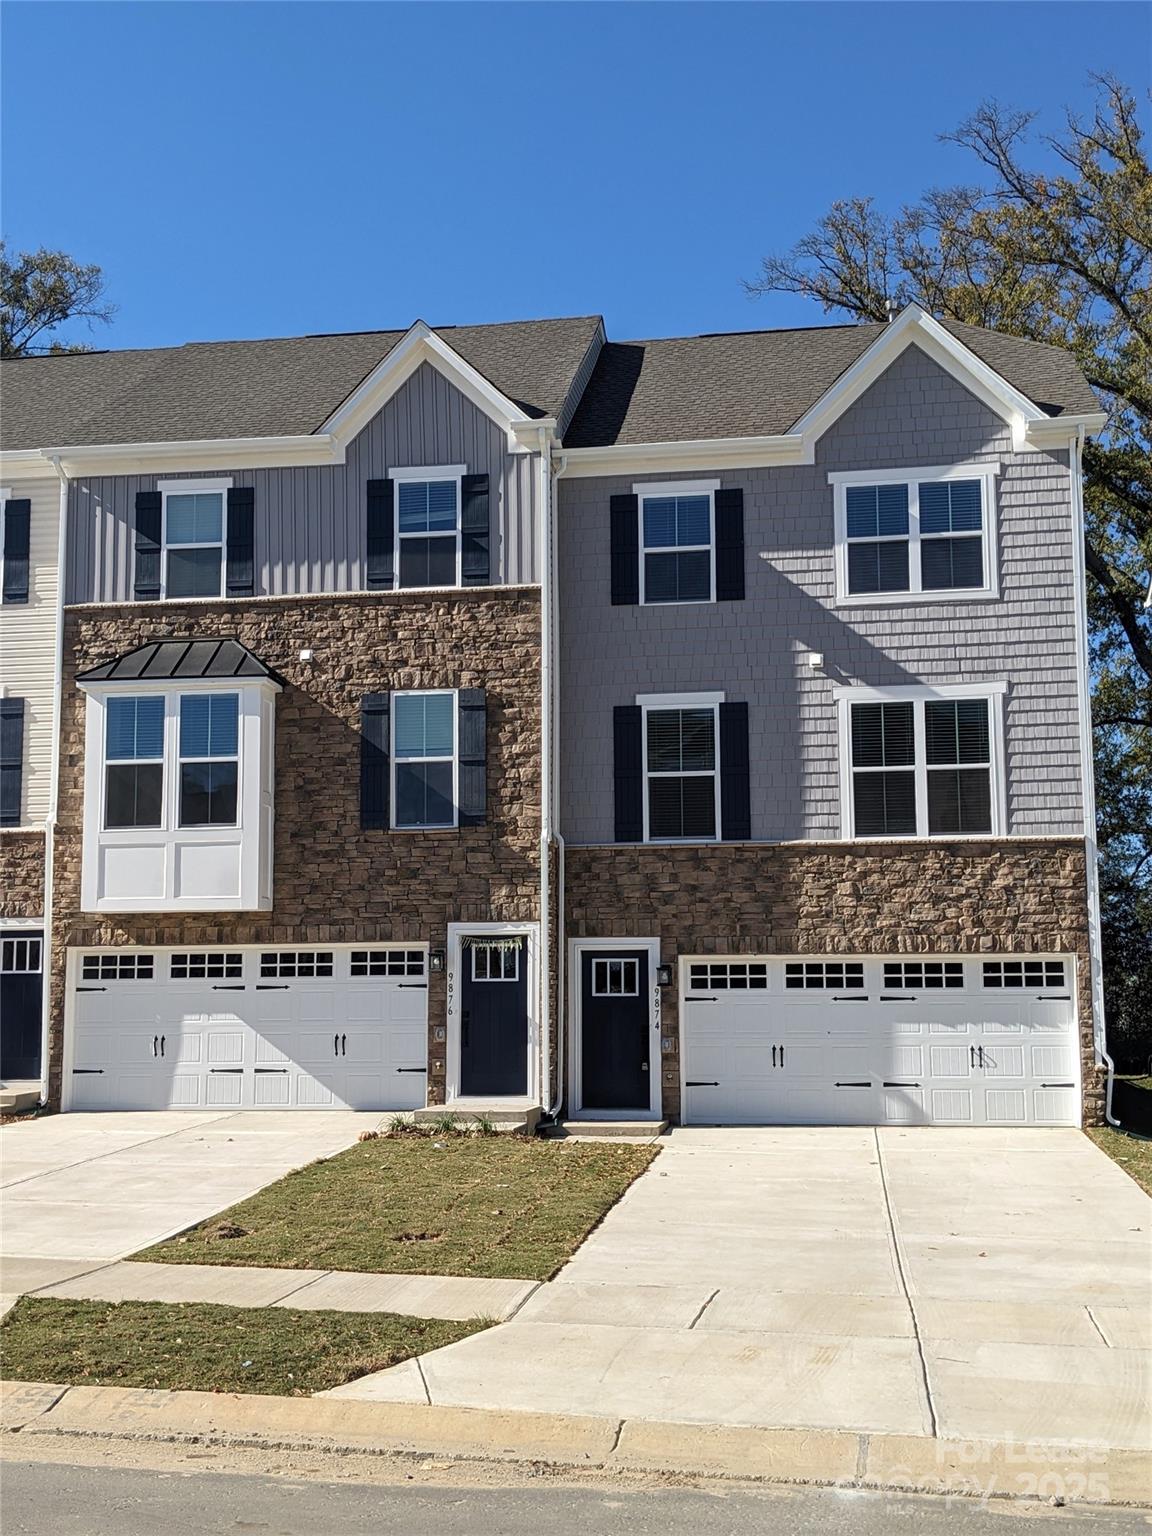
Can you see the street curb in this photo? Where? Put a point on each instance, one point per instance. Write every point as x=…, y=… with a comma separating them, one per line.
x=903, y=1463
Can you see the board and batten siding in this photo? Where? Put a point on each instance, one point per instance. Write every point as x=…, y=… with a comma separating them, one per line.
x=28, y=642
x=310, y=522
x=916, y=414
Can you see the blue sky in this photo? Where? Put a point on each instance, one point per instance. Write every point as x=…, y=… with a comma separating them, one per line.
x=267, y=169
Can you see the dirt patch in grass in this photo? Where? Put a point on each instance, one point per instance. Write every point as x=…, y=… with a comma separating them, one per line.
x=1129, y=1153
x=196, y=1347
x=487, y=1206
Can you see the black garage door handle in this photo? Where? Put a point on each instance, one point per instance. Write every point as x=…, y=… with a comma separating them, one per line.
x=853, y=1085
x=412, y=1069
x=694, y=1084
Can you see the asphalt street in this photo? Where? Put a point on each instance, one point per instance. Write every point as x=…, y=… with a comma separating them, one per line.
x=39, y=1497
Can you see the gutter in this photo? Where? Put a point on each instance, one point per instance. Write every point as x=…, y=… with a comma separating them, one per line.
x=53, y=784
x=1088, y=787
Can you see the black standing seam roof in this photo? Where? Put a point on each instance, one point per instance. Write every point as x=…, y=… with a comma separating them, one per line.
x=181, y=660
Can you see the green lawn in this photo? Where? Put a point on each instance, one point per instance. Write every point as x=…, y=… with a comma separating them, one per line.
x=491, y=1206
x=1134, y=1156
x=201, y=1348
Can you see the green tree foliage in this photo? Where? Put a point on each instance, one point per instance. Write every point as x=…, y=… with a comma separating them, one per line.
x=1061, y=254
x=39, y=292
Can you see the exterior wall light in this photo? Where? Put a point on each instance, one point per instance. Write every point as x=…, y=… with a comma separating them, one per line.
x=663, y=975
x=436, y=961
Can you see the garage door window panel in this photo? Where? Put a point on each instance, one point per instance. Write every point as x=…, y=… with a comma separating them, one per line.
x=134, y=762
x=682, y=774
x=209, y=759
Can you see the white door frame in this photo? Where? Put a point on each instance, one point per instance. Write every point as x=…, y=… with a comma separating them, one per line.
x=576, y=1108
x=457, y=932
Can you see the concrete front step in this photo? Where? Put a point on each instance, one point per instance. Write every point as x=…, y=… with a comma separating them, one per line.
x=629, y=1128
x=519, y=1120
x=16, y=1096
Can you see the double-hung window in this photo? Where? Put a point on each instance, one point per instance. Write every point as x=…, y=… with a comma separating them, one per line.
x=677, y=542
x=424, y=759
x=134, y=762
x=194, y=524
x=908, y=534
x=209, y=759
x=428, y=526
x=922, y=762
x=681, y=770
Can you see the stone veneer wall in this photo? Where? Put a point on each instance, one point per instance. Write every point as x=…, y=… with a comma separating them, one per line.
x=1015, y=897
x=21, y=873
x=335, y=882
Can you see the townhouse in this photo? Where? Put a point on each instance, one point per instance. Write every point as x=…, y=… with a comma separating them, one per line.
x=505, y=717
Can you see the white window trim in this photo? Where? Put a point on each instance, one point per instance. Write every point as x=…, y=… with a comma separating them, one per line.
x=993, y=692
x=170, y=759
x=192, y=488
x=986, y=473
x=418, y=472
x=653, y=488
x=394, y=761
x=231, y=757
x=662, y=701
x=253, y=828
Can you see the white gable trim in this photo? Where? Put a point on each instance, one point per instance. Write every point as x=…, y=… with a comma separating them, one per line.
x=915, y=327
x=422, y=345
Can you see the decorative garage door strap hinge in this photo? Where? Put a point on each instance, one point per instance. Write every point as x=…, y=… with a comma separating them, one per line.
x=91, y=989
x=692, y=1083
x=412, y=1069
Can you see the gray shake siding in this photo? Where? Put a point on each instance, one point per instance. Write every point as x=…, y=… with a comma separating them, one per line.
x=916, y=414
x=310, y=523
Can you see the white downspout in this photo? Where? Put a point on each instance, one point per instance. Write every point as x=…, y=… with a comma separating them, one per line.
x=557, y=835
x=53, y=781
x=1076, y=475
x=546, y=669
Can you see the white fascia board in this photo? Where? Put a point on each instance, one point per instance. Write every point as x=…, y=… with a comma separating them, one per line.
x=915, y=327
x=207, y=453
x=99, y=687
x=862, y=692
x=422, y=345
x=1059, y=431
x=697, y=454
x=26, y=464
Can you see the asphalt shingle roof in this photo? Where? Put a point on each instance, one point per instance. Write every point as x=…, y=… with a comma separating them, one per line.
x=759, y=383
x=274, y=388
x=743, y=384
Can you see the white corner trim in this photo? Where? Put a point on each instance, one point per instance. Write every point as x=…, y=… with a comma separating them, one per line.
x=421, y=344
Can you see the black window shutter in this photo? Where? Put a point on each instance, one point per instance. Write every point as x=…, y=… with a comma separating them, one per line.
x=735, y=795
x=11, y=760
x=380, y=561
x=628, y=771
x=241, y=575
x=374, y=760
x=472, y=716
x=625, y=549
x=475, y=531
x=729, y=544
x=17, y=521
x=149, y=511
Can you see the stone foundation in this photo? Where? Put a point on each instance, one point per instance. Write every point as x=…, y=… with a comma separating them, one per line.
x=1010, y=896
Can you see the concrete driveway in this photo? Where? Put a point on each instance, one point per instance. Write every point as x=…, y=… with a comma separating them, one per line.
x=969, y=1284
x=82, y=1190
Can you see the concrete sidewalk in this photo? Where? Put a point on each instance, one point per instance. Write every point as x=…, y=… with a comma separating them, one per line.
x=964, y=1284
x=1002, y=1470
x=314, y=1290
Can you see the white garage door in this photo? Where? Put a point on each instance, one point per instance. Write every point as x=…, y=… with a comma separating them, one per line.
x=339, y=1028
x=880, y=1042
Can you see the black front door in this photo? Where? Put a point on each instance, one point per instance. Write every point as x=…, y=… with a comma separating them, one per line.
x=617, y=1040
x=494, y=1018
x=21, y=984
